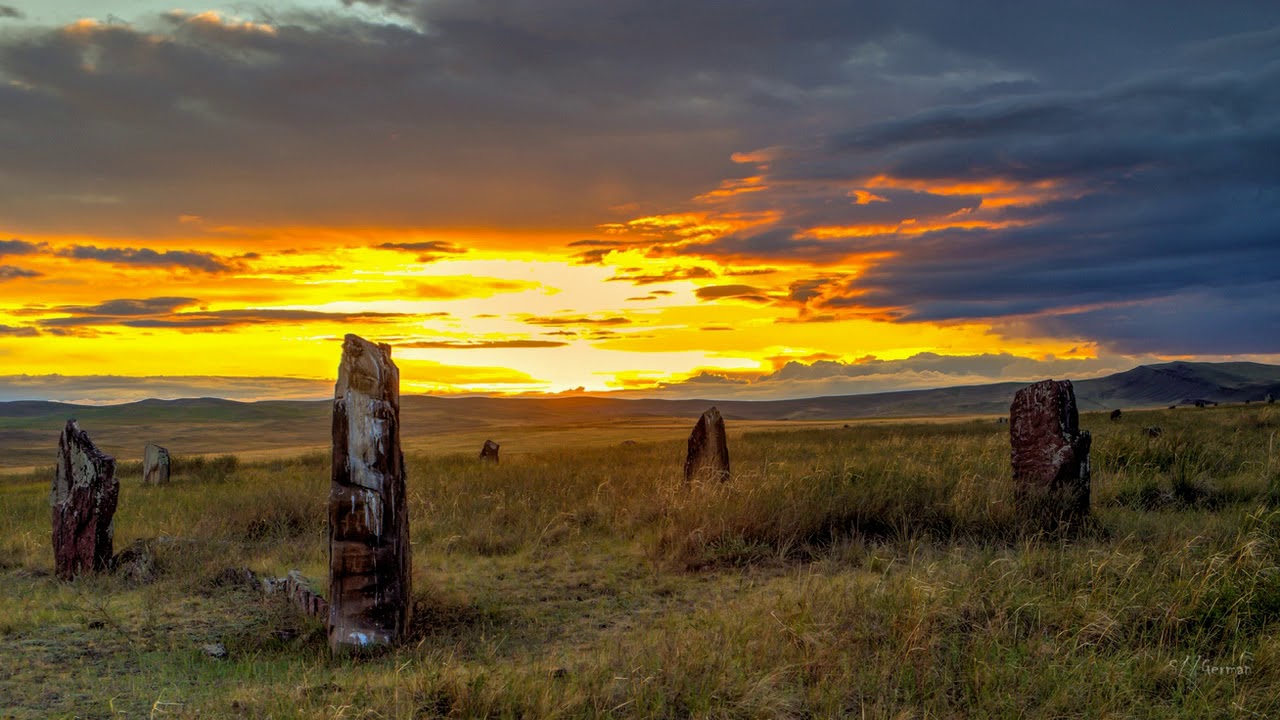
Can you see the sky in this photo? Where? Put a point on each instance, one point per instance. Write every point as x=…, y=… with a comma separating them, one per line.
x=746, y=199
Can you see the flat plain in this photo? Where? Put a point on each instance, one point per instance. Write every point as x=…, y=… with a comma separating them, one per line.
x=875, y=570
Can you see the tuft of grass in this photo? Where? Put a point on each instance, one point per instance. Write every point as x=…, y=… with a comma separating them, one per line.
x=202, y=468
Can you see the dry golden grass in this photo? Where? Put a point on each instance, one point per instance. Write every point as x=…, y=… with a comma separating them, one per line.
x=871, y=571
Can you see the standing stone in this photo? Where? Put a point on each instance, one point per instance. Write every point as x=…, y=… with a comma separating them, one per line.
x=84, y=496
x=489, y=452
x=370, y=573
x=708, y=456
x=1050, y=453
x=155, y=465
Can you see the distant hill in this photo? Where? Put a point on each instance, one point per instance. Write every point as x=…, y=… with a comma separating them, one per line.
x=29, y=429
x=1180, y=383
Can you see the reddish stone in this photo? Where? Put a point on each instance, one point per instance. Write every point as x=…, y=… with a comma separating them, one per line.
x=84, y=496
x=370, y=577
x=708, y=456
x=1050, y=453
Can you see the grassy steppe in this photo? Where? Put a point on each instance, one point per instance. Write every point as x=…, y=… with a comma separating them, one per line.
x=871, y=571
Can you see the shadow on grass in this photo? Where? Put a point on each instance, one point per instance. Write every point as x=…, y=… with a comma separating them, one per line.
x=441, y=622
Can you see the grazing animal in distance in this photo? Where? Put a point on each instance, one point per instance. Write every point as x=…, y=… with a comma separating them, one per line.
x=1115, y=414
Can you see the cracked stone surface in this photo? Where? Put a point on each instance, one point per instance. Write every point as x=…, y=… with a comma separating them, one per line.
x=155, y=465
x=708, y=457
x=369, y=553
x=84, y=496
x=1050, y=453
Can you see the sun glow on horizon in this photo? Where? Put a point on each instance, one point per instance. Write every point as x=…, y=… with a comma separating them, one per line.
x=649, y=304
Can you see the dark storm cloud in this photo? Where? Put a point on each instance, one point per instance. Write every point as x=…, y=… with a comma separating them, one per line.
x=525, y=113
x=326, y=114
x=1157, y=130
x=1229, y=321
x=1159, y=195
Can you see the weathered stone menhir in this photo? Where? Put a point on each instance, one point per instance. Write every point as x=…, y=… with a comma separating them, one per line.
x=370, y=576
x=489, y=453
x=708, y=457
x=1050, y=454
x=155, y=465
x=84, y=496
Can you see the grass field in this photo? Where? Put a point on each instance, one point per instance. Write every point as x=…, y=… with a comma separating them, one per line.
x=871, y=571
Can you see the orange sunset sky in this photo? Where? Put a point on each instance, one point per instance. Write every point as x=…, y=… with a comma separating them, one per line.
x=704, y=200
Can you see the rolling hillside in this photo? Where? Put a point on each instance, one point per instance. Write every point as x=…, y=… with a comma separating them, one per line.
x=29, y=429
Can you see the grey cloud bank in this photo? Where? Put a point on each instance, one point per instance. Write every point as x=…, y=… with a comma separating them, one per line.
x=1158, y=129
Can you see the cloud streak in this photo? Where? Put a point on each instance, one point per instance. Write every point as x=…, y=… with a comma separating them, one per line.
x=479, y=344
x=429, y=251
x=817, y=377
x=13, y=272
x=163, y=313
x=146, y=257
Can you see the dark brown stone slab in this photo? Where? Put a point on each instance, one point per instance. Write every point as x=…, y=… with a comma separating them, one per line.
x=489, y=452
x=708, y=457
x=1050, y=454
x=155, y=465
x=84, y=496
x=370, y=577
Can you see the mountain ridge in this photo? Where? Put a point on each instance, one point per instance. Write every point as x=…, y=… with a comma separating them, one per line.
x=1176, y=383
x=29, y=429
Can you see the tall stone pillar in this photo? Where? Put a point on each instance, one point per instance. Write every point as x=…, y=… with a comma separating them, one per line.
x=370, y=569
